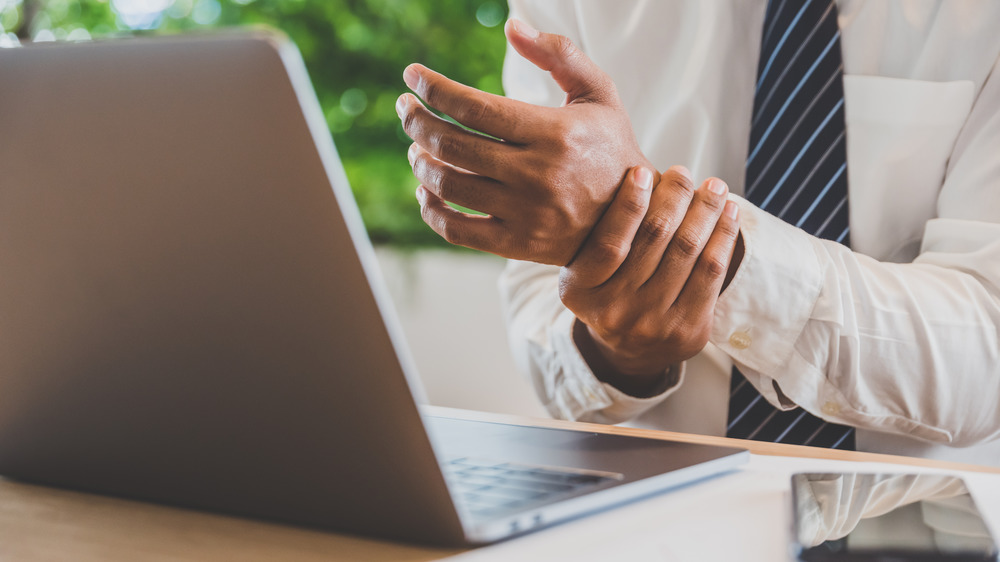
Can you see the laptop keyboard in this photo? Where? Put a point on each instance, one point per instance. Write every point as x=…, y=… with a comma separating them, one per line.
x=486, y=488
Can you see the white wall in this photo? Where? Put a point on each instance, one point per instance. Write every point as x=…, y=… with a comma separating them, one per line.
x=449, y=306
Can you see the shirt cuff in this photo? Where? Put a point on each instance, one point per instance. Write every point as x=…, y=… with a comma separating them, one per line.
x=583, y=396
x=761, y=314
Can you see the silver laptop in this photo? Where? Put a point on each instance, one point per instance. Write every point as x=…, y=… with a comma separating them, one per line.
x=191, y=313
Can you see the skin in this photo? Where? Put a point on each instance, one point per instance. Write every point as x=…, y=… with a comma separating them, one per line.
x=644, y=285
x=641, y=268
x=546, y=175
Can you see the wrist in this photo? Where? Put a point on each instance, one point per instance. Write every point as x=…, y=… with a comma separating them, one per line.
x=640, y=378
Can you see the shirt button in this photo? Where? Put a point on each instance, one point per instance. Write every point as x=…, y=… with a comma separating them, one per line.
x=831, y=408
x=740, y=340
x=590, y=395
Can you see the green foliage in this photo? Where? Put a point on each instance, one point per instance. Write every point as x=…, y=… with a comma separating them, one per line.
x=355, y=51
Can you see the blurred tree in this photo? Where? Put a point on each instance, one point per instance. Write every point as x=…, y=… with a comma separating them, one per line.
x=355, y=51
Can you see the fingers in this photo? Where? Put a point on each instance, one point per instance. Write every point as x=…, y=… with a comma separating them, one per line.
x=670, y=200
x=501, y=117
x=609, y=243
x=449, y=142
x=690, y=239
x=697, y=301
x=462, y=229
x=454, y=185
x=575, y=73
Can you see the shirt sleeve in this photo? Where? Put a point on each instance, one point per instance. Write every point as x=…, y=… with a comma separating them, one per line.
x=540, y=332
x=540, y=328
x=900, y=348
x=830, y=506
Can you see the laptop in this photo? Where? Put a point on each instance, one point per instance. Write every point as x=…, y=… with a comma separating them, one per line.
x=192, y=314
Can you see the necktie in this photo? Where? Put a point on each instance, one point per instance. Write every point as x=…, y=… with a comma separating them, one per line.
x=796, y=169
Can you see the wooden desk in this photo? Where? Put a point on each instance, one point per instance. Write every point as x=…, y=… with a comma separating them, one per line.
x=755, y=447
x=40, y=523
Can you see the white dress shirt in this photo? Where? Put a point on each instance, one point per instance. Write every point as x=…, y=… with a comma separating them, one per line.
x=898, y=335
x=911, y=511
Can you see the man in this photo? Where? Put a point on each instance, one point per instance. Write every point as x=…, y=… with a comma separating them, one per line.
x=896, y=335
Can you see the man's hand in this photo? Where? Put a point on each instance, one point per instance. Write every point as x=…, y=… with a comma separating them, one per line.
x=645, y=282
x=543, y=176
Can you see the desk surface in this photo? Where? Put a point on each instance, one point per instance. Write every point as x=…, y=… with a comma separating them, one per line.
x=40, y=523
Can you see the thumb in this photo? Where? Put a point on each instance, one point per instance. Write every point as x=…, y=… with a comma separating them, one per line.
x=575, y=73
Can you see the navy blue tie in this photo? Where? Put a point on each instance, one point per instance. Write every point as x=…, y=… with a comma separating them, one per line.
x=796, y=169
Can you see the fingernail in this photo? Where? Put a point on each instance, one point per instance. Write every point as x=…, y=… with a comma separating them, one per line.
x=411, y=154
x=716, y=186
x=731, y=210
x=421, y=195
x=401, y=104
x=411, y=76
x=644, y=178
x=524, y=29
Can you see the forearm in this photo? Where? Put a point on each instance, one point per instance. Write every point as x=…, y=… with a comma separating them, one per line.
x=899, y=348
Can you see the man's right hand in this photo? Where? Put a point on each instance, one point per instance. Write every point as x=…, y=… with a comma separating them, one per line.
x=645, y=282
x=542, y=175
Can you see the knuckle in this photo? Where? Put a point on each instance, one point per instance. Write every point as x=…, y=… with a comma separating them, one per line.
x=610, y=321
x=688, y=335
x=536, y=234
x=688, y=244
x=577, y=132
x=452, y=232
x=445, y=146
x=444, y=181
x=422, y=169
x=476, y=109
x=729, y=228
x=411, y=123
x=565, y=46
x=429, y=217
x=673, y=331
x=682, y=184
x=655, y=228
x=634, y=205
x=690, y=330
x=430, y=91
x=716, y=266
x=610, y=250
x=711, y=201
x=574, y=294
x=649, y=334
x=694, y=339
x=565, y=137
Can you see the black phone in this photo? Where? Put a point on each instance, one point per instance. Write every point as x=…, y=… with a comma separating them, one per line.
x=853, y=517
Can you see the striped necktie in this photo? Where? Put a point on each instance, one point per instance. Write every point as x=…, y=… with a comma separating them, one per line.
x=796, y=169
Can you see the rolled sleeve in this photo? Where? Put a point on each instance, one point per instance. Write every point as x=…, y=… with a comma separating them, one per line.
x=898, y=348
x=540, y=333
x=779, y=266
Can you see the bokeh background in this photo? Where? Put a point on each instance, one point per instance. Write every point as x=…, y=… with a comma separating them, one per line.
x=355, y=51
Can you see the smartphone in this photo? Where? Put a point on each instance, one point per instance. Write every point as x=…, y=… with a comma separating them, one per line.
x=854, y=517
